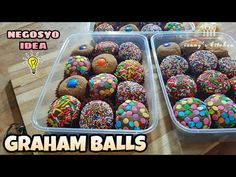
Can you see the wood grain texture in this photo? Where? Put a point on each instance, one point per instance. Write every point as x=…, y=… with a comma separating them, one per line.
x=163, y=140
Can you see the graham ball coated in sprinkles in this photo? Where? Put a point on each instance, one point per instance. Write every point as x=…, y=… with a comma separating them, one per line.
x=64, y=112
x=106, y=47
x=173, y=65
x=129, y=90
x=181, y=86
x=222, y=111
x=151, y=27
x=211, y=81
x=102, y=85
x=232, y=82
x=129, y=51
x=132, y=115
x=202, y=60
x=77, y=65
x=130, y=70
x=192, y=113
x=227, y=66
x=96, y=115
x=104, y=27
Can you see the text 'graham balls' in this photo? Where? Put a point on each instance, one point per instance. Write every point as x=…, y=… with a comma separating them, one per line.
x=181, y=86
x=83, y=50
x=129, y=51
x=74, y=85
x=212, y=81
x=222, y=111
x=130, y=70
x=173, y=65
x=202, y=60
x=96, y=115
x=102, y=85
x=64, y=112
x=132, y=115
x=104, y=63
x=77, y=65
x=192, y=113
x=106, y=47
x=166, y=49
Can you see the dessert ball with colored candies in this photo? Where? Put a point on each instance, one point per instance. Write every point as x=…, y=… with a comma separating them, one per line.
x=104, y=27
x=102, y=85
x=211, y=81
x=77, y=65
x=170, y=48
x=129, y=51
x=232, y=82
x=192, y=113
x=130, y=70
x=181, y=86
x=227, y=66
x=132, y=115
x=104, y=63
x=174, y=26
x=222, y=111
x=129, y=90
x=64, y=112
x=74, y=85
x=96, y=115
x=106, y=47
x=202, y=60
x=173, y=65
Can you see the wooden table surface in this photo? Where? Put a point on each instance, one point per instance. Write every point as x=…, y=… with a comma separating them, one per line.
x=20, y=90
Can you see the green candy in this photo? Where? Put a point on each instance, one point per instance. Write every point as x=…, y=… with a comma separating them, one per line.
x=120, y=111
x=107, y=85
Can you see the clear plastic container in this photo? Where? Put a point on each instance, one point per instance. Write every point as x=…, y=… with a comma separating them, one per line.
x=47, y=95
x=156, y=41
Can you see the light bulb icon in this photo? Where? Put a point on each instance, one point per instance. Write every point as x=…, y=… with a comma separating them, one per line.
x=33, y=63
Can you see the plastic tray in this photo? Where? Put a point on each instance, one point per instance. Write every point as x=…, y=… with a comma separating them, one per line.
x=156, y=41
x=47, y=95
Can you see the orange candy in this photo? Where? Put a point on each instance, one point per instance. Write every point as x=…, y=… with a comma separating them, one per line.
x=101, y=62
x=221, y=120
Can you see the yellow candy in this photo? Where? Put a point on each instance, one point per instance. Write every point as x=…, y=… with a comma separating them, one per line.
x=211, y=111
x=178, y=106
x=112, y=90
x=142, y=110
x=110, y=80
x=190, y=101
x=146, y=115
x=125, y=120
x=101, y=92
x=215, y=108
x=210, y=103
x=128, y=101
x=183, y=102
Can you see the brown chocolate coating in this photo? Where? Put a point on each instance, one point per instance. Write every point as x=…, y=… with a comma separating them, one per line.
x=167, y=49
x=191, y=45
x=77, y=90
x=104, y=63
x=83, y=50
